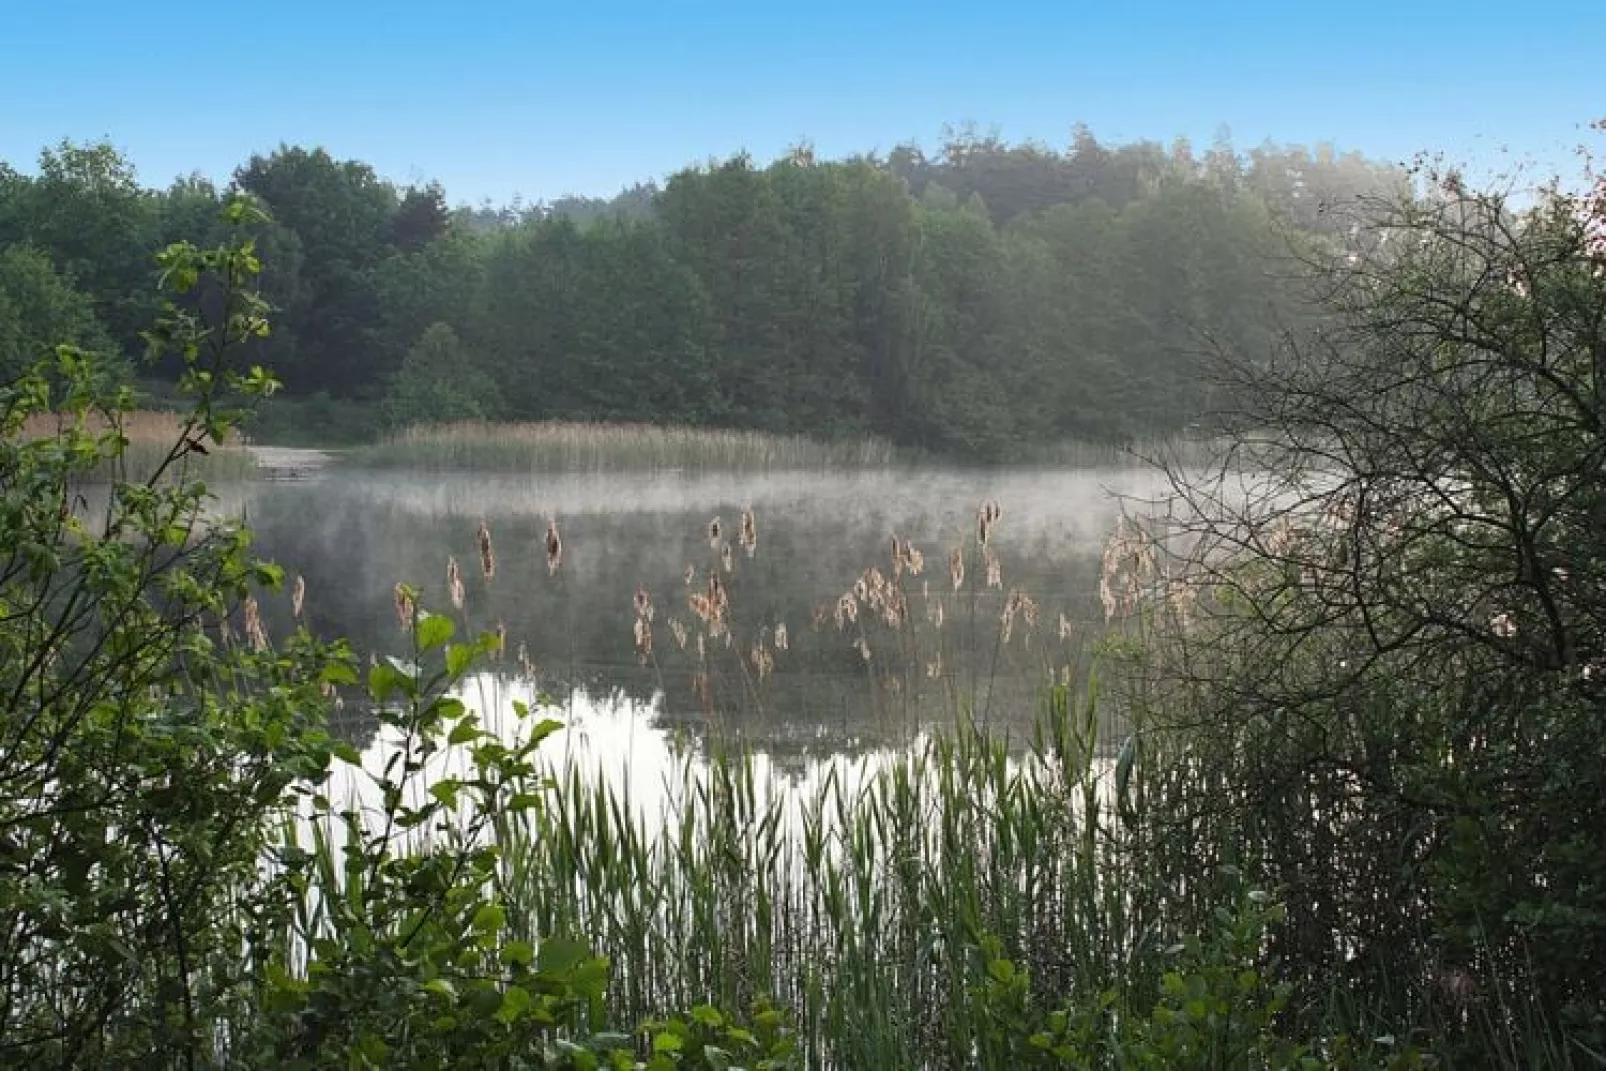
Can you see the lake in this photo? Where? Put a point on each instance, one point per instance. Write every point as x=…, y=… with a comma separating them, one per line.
x=789, y=669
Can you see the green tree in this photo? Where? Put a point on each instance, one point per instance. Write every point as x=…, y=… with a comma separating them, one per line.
x=437, y=383
x=40, y=310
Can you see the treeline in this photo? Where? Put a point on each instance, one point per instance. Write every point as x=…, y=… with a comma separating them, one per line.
x=967, y=302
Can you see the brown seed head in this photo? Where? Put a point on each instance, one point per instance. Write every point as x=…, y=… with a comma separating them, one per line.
x=298, y=595
x=749, y=534
x=404, y=607
x=554, y=546
x=454, y=583
x=487, y=555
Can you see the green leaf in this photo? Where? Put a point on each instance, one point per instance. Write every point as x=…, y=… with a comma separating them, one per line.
x=445, y=791
x=515, y=1002
x=518, y=954
x=433, y=630
x=664, y=1041
x=707, y=1016
x=560, y=955
x=489, y=919
x=459, y=657
x=441, y=988
x=346, y=753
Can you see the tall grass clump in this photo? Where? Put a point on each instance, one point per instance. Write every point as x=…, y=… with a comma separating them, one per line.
x=562, y=446
x=148, y=445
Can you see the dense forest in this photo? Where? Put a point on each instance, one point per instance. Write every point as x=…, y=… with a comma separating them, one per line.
x=966, y=302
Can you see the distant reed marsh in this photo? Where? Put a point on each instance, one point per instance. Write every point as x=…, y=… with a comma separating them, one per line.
x=562, y=446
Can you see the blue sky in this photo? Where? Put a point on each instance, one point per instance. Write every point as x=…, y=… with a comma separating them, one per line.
x=541, y=99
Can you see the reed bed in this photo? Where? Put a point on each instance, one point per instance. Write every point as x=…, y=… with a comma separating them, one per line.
x=150, y=436
x=563, y=446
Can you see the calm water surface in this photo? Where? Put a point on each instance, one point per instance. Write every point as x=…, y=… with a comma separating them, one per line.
x=354, y=534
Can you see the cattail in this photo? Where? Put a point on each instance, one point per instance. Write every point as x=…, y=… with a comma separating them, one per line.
x=487, y=555
x=726, y=558
x=298, y=595
x=749, y=534
x=995, y=570
x=454, y=583
x=643, y=632
x=956, y=567
x=254, y=632
x=643, y=604
x=986, y=518
x=554, y=546
x=713, y=532
x=404, y=607
x=781, y=638
x=915, y=560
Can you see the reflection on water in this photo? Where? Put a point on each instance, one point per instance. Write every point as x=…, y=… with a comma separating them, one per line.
x=613, y=743
x=354, y=534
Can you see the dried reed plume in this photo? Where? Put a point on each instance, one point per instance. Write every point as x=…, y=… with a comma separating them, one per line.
x=678, y=630
x=554, y=546
x=713, y=533
x=749, y=533
x=782, y=641
x=956, y=567
x=254, y=631
x=643, y=632
x=763, y=661
x=986, y=519
x=995, y=569
x=727, y=559
x=298, y=595
x=1018, y=604
x=1129, y=564
x=642, y=604
x=454, y=583
x=404, y=607
x=487, y=555
x=847, y=611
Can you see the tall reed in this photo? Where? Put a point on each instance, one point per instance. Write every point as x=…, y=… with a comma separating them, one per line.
x=150, y=436
x=563, y=446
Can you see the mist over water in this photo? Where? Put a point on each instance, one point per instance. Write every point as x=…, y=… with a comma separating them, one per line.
x=354, y=534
